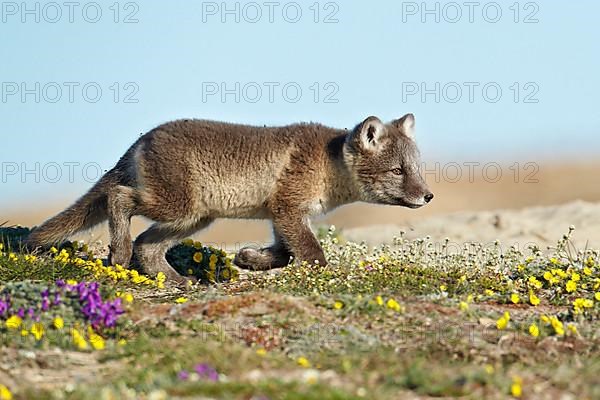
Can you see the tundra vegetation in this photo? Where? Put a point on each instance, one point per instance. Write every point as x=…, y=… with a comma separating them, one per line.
x=410, y=320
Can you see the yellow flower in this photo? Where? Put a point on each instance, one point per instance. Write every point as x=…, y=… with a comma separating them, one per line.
x=587, y=303
x=571, y=286
x=464, y=306
x=14, y=322
x=210, y=275
x=197, y=245
x=53, y=250
x=597, y=296
x=520, y=267
x=590, y=262
x=37, y=330
x=580, y=304
x=548, y=275
x=575, y=277
x=587, y=271
x=533, y=281
x=24, y=332
x=58, y=323
x=558, y=326
x=303, y=362
x=71, y=282
x=572, y=328
x=554, y=261
x=515, y=298
x=181, y=300
x=489, y=292
x=5, y=394
x=338, y=305
x=533, y=299
x=198, y=257
x=534, y=330
x=562, y=274
x=489, y=369
x=97, y=341
x=545, y=319
x=443, y=288
x=63, y=256
x=160, y=280
x=261, y=352
x=393, y=305
x=212, y=262
x=79, y=340
x=516, y=388
x=379, y=300
x=226, y=274
x=122, y=342
x=502, y=322
x=128, y=297
x=188, y=242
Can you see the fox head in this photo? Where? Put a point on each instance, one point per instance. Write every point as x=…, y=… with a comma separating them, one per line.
x=384, y=161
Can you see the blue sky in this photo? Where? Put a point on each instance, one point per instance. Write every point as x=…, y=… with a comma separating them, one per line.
x=375, y=60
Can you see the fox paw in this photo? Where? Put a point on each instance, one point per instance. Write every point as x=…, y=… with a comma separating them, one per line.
x=250, y=258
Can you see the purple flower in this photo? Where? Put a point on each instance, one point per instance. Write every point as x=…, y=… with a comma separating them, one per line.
x=207, y=372
x=85, y=296
x=45, y=304
x=100, y=313
x=213, y=376
x=4, y=305
x=57, y=299
x=183, y=375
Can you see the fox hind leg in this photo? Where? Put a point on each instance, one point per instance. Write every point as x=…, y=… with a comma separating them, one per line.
x=120, y=207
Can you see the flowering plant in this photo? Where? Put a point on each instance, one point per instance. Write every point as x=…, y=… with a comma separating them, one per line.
x=35, y=310
x=206, y=263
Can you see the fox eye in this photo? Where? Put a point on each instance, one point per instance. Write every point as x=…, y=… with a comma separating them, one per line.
x=397, y=171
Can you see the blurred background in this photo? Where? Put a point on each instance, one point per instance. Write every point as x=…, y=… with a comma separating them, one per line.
x=505, y=95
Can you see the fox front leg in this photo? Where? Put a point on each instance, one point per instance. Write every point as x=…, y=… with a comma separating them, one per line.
x=292, y=239
x=300, y=239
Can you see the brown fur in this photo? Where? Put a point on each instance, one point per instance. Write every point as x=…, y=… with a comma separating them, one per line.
x=186, y=173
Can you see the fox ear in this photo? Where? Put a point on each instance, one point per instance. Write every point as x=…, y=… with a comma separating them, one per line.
x=369, y=133
x=407, y=125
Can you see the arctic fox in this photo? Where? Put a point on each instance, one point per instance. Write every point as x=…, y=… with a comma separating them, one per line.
x=185, y=174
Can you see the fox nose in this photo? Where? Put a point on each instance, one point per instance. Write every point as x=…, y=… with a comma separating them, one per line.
x=428, y=197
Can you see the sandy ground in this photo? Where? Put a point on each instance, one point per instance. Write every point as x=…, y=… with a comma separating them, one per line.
x=533, y=225
x=533, y=206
